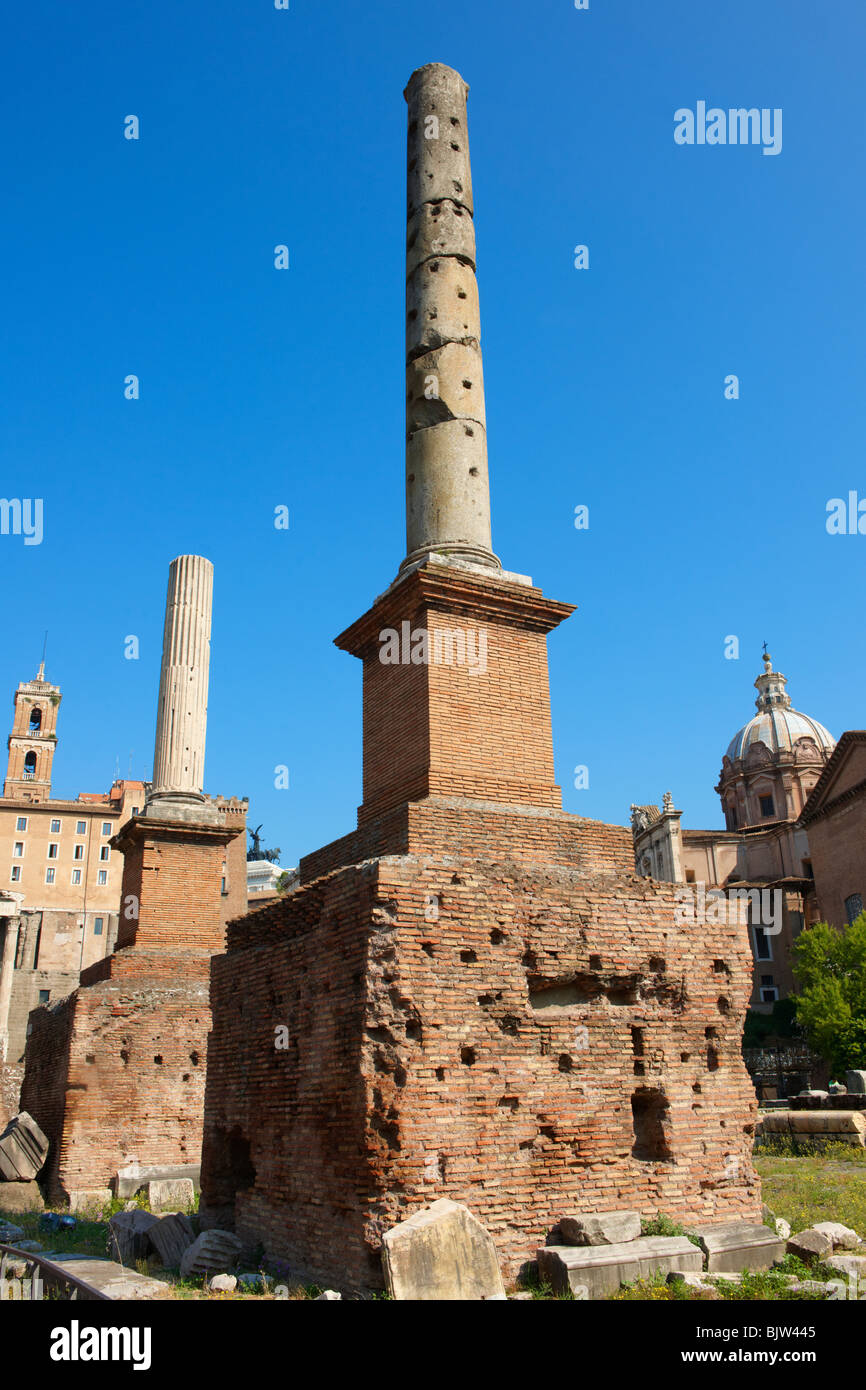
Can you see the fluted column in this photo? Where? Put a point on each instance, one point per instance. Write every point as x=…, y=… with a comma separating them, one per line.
x=181, y=724
x=447, y=490
x=7, y=968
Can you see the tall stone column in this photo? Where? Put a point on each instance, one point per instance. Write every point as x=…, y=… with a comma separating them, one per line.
x=447, y=490
x=181, y=722
x=11, y=924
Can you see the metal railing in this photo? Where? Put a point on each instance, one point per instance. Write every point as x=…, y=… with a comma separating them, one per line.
x=52, y=1276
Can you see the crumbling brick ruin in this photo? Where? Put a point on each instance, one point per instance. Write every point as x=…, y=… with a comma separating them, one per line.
x=472, y=995
x=115, y=1072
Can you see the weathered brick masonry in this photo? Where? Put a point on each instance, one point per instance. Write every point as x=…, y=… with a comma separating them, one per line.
x=115, y=1073
x=479, y=999
x=529, y=1040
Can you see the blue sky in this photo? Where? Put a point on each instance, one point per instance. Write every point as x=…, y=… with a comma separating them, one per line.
x=605, y=387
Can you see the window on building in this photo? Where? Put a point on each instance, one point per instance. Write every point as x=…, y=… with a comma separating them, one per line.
x=768, y=807
x=135, y=810
x=44, y=996
x=853, y=907
x=78, y=852
x=52, y=850
x=76, y=875
x=30, y=767
x=21, y=823
x=81, y=827
x=769, y=994
x=15, y=876
x=35, y=719
x=97, y=926
x=763, y=950
x=690, y=875
x=106, y=827
x=105, y=852
x=49, y=875
x=223, y=889
x=808, y=871
x=55, y=827
x=18, y=850
x=102, y=877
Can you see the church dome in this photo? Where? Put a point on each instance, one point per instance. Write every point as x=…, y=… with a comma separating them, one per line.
x=776, y=725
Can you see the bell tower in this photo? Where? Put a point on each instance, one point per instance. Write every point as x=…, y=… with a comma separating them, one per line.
x=33, y=739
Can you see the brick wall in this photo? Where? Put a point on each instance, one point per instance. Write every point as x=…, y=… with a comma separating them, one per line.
x=837, y=845
x=453, y=825
x=43, y=1089
x=475, y=1029
x=126, y=1083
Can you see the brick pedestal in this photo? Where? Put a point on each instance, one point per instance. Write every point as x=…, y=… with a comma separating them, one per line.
x=115, y=1072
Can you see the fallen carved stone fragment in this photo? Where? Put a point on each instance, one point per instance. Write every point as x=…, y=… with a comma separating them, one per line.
x=444, y=1253
x=23, y=1149
x=213, y=1252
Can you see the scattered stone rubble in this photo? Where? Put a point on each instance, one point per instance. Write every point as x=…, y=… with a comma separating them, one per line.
x=444, y=1253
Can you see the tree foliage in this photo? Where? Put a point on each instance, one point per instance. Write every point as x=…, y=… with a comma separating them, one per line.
x=830, y=968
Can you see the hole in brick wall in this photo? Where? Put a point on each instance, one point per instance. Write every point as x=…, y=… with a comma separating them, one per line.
x=413, y=314
x=565, y=1062
x=158, y=1060
x=684, y=1056
x=637, y=1041
x=467, y=1056
x=90, y=1059
x=711, y=1032
x=473, y=472
x=124, y=1055
x=461, y=294
x=468, y=957
x=454, y=145
x=454, y=120
x=186, y=1076
x=467, y=385
x=721, y=967
x=427, y=947
x=651, y=1120
x=467, y=429
x=696, y=1087
x=723, y=1004
x=413, y=1030
x=595, y=962
x=712, y=1059
x=657, y=965
x=400, y=1075
x=440, y=1073
x=231, y=1169
x=639, y=1068
x=509, y=1024
x=434, y=266
x=455, y=878
x=509, y=1103
x=549, y=1131
x=527, y=1144
x=530, y=960
x=485, y=1000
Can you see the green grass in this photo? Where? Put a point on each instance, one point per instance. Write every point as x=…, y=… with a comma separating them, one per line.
x=816, y=1187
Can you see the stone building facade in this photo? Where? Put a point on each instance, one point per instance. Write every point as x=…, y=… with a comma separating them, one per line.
x=771, y=766
x=834, y=817
x=60, y=877
x=472, y=994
